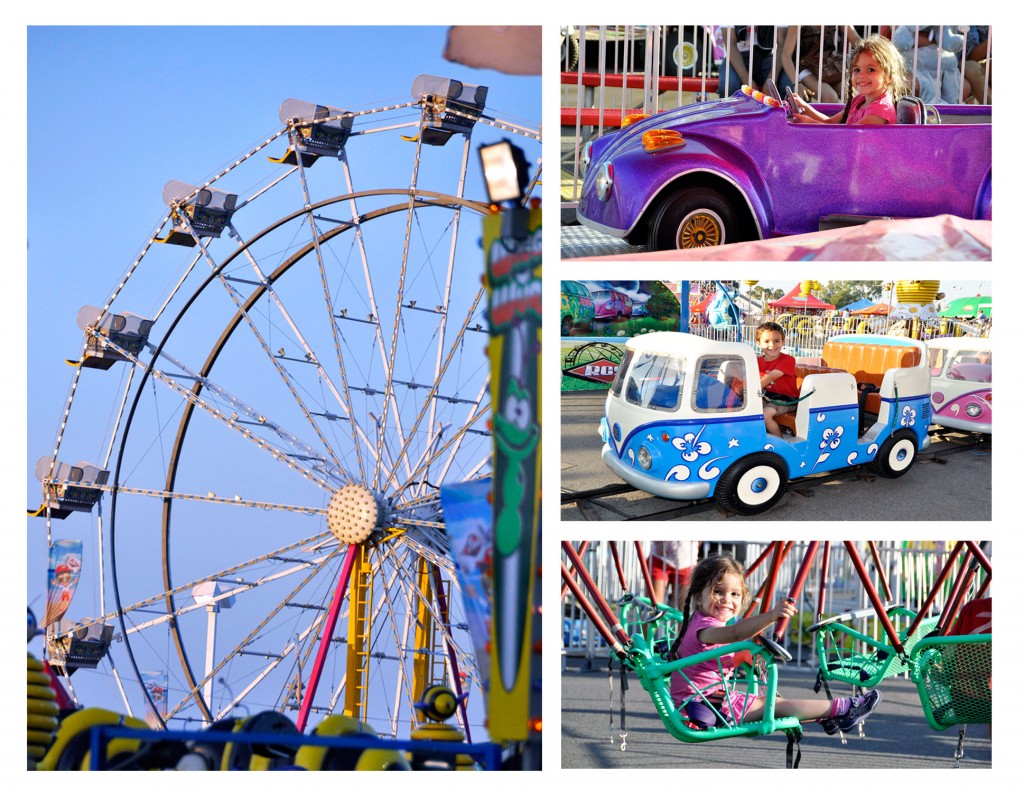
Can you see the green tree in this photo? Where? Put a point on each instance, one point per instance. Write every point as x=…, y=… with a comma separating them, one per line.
x=843, y=293
x=662, y=302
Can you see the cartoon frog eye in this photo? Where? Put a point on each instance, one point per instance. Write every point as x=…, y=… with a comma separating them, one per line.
x=517, y=411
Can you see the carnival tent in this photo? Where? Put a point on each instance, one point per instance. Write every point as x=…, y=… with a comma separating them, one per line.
x=875, y=310
x=968, y=307
x=857, y=305
x=793, y=300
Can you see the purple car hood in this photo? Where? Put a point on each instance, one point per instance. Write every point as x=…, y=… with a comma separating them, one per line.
x=612, y=144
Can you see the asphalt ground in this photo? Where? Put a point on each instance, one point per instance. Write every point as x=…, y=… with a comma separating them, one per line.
x=953, y=487
x=896, y=736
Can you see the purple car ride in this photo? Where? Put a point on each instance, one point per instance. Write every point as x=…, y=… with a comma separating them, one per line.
x=739, y=169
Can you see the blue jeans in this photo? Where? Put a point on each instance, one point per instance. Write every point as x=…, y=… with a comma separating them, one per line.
x=762, y=70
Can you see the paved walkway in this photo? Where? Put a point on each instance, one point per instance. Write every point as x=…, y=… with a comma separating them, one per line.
x=956, y=487
x=895, y=736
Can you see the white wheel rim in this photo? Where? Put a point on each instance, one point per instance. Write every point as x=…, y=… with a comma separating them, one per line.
x=901, y=456
x=758, y=485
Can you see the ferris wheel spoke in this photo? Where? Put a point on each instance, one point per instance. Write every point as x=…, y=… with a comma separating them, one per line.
x=438, y=610
x=257, y=418
x=446, y=296
x=282, y=373
x=449, y=449
x=434, y=395
x=241, y=586
x=184, y=496
x=252, y=635
x=329, y=307
x=389, y=397
x=235, y=297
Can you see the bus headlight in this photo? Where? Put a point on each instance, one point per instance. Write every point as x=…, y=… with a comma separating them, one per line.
x=643, y=457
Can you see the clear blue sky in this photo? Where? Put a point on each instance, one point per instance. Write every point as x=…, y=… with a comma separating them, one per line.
x=115, y=113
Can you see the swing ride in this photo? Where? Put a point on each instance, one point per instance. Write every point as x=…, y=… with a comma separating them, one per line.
x=284, y=415
x=943, y=649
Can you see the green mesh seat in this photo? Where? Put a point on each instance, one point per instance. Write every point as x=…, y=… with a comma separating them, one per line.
x=847, y=655
x=954, y=679
x=654, y=668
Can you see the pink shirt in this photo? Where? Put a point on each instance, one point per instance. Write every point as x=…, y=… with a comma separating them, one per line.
x=704, y=674
x=882, y=107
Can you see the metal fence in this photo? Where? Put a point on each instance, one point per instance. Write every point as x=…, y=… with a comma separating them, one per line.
x=609, y=71
x=909, y=567
x=806, y=335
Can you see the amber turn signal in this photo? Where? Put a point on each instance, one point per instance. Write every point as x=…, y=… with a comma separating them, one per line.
x=660, y=139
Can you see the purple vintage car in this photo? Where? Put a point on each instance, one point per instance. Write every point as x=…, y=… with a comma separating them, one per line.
x=737, y=169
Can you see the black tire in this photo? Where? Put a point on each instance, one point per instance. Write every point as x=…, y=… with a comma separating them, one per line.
x=754, y=484
x=570, y=54
x=566, y=326
x=693, y=217
x=896, y=456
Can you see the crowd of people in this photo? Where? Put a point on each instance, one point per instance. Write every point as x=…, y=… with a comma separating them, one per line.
x=947, y=64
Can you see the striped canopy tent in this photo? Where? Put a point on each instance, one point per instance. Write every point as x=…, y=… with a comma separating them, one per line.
x=793, y=300
x=968, y=307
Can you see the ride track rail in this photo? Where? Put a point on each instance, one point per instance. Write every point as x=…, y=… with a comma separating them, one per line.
x=586, y=500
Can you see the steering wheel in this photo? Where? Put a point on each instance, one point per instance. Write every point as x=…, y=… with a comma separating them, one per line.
x=792, y=108
x=772, y=91
x=778, y=653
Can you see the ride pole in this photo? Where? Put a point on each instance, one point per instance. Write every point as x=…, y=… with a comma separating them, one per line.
x=873, y=549
x=602, y=604
x=968, y=568
x=936, y=586
x=590, y=611
x=876, y=601
x=645, y=569
x=798, y=584
x=618, y=565
x=823, y=581
x=582, y=550
x=326, y=635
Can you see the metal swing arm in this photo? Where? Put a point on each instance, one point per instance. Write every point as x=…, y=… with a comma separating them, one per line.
x=595, y=618
x=617, y=635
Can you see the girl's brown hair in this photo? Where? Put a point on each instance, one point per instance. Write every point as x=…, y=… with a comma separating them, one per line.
x=890, y=61
x=707, y=573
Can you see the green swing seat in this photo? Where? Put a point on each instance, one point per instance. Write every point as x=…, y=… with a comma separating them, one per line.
x=847, y=655
x=689, y=722
x=954, y=679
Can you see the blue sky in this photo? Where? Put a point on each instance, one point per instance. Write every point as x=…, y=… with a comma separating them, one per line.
x=115, y=113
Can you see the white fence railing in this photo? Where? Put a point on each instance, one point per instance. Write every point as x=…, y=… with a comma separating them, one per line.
x=611, y=70
x=910, y=569
x=806, y=335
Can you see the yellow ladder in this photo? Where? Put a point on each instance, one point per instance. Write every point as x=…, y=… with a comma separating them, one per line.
x=360, y=615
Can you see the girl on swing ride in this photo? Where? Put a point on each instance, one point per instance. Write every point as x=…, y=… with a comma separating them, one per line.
x=718, y=593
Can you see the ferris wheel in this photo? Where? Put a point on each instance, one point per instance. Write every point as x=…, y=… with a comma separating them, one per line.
x=311, y=368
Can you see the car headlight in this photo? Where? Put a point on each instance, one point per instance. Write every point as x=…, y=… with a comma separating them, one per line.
x=585, y=158
x=644, y=458
x=603, y=184
x=973, y=410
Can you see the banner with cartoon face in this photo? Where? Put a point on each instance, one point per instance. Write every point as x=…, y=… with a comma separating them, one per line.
x=62, y=578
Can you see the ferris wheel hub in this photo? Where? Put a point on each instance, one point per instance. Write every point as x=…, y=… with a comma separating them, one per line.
x=352, y=514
